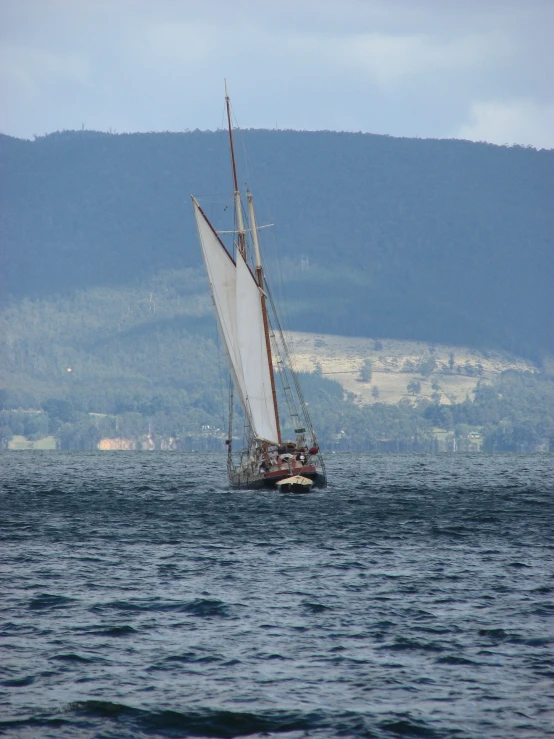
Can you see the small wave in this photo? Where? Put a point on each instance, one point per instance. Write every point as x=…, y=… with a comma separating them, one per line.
x=451, y=659
x=70, y=658
x=103, y=708
x=498, y=635
x=116, y=605
x=186, y=658
x=10, y=626
x=47, y=601
x=315, y=607
x=20, y=682
x=32, y=721
x=406, y=644
x=208, y=723
x=537, y=641
x=407, y=727
x=457, y=532
x=484, y=519
x=115, y=631
x=205, y=607
x=544, y=609
x=192, y=657
x=197, y=607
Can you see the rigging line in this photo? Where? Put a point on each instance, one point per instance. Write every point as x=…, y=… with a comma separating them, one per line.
x=247, y=230
x=276, y=266
x=275, y=260
x=251, y=176
x=220, y=374
x=230, y=132
x=283, y=377
x=249, y=168
x=246, y=436
x=237, y=132
x=292, y=371
x=283, y=334
x=248, y=171
x=230, y=465
x=281, y=296
x=287, y=390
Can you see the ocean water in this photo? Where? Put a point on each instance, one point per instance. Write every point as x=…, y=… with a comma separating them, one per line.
x=142, y=598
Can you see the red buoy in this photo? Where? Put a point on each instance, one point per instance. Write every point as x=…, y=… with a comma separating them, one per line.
x=314, y=450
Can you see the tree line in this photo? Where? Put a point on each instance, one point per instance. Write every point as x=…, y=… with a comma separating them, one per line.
x=513, y=413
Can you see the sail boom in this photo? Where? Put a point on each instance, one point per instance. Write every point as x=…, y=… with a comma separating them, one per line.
x=247, y=230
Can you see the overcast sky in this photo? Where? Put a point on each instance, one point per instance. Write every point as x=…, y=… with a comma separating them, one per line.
x=474, y=69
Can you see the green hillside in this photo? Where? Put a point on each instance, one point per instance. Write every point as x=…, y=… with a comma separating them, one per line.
x=447, y=241
x=106, y=325
x=142, y=365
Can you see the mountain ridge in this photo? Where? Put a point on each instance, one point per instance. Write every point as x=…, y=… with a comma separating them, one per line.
x=421, y=239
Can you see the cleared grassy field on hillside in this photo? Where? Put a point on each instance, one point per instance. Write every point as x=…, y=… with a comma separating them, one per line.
x=456, y=372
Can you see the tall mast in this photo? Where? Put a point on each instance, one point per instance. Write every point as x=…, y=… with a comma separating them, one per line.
x=238, y=204
x=259, y=269
x=260, y=277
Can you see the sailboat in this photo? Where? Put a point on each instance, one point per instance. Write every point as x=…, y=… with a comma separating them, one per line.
x=257, y=355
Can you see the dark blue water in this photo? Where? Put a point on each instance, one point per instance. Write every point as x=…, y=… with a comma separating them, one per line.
x=141, y=598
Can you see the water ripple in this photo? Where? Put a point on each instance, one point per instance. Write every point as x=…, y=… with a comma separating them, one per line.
x=141, y=598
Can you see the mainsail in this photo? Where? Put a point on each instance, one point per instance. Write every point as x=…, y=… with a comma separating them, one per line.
x=222, y=278
x=253, y=353
x=237, y=302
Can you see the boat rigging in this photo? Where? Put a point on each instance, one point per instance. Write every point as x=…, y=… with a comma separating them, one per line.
x=256, y=348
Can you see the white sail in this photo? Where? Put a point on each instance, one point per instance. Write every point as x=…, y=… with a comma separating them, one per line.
x=253, y=355
x=222, y=278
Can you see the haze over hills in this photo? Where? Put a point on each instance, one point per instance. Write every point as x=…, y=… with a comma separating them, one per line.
x=446, y=241
x=427, y=248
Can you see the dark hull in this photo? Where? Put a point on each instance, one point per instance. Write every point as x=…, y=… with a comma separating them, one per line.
x=255, y=481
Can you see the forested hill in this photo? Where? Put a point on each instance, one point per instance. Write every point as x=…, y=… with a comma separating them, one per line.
x=447, y=241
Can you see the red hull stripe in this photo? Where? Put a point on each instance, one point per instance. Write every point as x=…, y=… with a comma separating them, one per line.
x=309, y=469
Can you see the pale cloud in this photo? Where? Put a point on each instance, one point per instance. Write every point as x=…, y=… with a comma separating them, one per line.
x=33, y=68
x=402, y=67
x=394, y=59
x=521, y=121
x=178, y=42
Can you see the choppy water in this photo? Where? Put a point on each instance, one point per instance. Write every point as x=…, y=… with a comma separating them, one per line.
x=141, y=598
